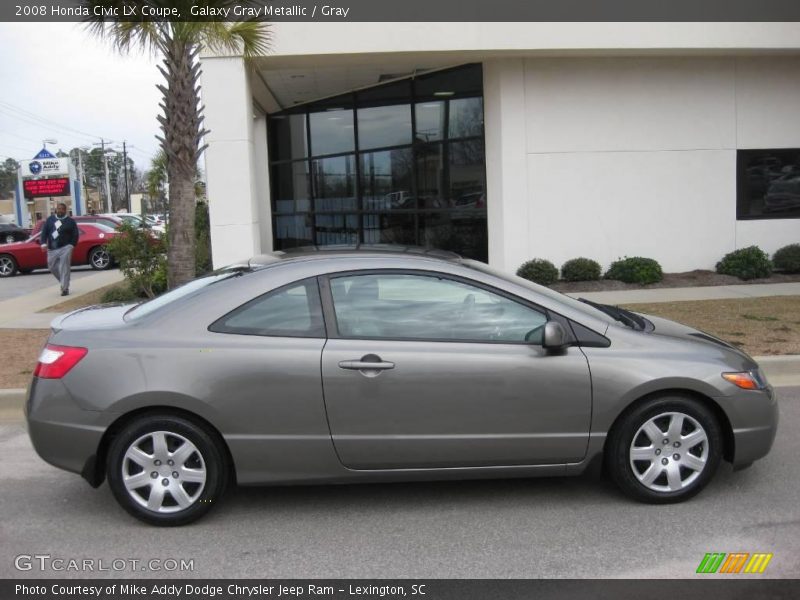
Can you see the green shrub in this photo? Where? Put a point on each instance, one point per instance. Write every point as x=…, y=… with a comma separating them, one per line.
x=120, y=293
x=635, y=269
x=746, y=263
x=539, y=271
x=580, y=269
x=787, y=259
x=202, y=232
x=141, y=259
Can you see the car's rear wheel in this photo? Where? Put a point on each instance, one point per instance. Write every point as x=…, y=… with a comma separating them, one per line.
x=100, y=258
x=8, y=266
x=665, y=450
x=9, y=238
x=166, y=470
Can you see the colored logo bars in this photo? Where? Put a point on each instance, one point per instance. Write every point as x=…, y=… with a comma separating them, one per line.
x=735, y=562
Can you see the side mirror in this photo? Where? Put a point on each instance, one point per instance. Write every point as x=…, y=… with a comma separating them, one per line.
x=555, y=336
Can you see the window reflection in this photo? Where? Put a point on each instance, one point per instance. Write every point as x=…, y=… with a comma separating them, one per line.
x=332, y=131
x=466, y=117
x=768, y=184
x=420, y=307
x=290, y=187
x=382, y=126
x=335, y=183
x=386, y=180
x=430, y=121
x=336, y=229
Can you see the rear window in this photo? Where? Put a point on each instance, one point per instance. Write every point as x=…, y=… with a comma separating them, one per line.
x=187, y=289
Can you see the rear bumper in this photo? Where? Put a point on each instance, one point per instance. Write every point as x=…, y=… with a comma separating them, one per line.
x=63, y=434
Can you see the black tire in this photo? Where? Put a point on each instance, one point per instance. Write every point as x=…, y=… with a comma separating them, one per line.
x=9, y=238
x=100, y=258
x=8, y=265
x=211, y=457
x=626, y=472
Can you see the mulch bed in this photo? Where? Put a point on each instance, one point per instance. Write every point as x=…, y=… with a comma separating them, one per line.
x=698, y=278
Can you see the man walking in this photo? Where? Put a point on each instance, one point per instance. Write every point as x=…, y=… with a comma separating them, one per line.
x=59, y=237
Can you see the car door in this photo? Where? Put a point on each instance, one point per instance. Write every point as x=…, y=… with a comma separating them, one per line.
x=422, y=370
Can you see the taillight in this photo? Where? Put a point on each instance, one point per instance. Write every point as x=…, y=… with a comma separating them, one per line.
x=57, y=361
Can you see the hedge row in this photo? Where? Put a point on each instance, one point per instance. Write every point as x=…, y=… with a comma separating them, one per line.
x=745, y=263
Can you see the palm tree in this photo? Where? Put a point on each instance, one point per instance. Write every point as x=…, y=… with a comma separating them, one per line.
x=179, y=43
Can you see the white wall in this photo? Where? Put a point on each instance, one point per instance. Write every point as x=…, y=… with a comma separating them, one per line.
x=637, y=156
x=234, y=172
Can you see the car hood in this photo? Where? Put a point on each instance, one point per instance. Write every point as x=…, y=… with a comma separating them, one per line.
x=103, y=316
x=673, y=329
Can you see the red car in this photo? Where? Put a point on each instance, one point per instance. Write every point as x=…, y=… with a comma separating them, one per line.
x=27, y=256
x=107, y=220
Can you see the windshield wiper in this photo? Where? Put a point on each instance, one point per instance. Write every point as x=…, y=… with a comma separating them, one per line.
x=626, y=317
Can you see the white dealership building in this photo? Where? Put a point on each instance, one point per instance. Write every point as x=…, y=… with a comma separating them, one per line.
x=508, y=141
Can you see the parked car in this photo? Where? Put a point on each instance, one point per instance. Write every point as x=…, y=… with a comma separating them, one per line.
x=384, y=364
x=108, y=221
x=137, y=221
x=9, y=232
x=26, y=256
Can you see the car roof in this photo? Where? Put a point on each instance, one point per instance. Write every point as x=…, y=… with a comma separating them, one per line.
x=331, y=251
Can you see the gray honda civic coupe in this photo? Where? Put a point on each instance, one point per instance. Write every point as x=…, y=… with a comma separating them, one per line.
x=347, y=365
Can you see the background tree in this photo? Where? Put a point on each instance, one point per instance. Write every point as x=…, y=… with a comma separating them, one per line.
x=178, y=43
x=8, y=176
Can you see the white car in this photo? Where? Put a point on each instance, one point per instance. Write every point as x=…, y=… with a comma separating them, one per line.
x=137, y=220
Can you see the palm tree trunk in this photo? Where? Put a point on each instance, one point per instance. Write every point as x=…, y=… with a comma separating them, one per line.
x=180, y=124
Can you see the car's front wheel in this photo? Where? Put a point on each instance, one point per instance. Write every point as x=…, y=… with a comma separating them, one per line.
x=8, y=266
x=166, y=470
x=665, y=450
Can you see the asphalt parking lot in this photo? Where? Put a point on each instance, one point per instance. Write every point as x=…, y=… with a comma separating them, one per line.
x=496, y=529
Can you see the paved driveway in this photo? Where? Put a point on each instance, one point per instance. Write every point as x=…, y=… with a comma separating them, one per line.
x=512, y=528
x=19, y=285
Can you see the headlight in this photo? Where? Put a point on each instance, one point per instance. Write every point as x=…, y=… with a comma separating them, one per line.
x=747, y=380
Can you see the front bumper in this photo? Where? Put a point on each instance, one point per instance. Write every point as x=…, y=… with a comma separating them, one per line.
x=62, y=433
x=754, y=417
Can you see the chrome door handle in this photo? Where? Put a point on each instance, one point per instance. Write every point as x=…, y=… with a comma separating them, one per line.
x=358, y=365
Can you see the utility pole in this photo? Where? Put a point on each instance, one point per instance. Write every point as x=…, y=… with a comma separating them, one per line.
x=102, y=145
x=125, y=167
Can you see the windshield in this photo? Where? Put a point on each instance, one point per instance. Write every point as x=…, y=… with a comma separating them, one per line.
x=540, y=289
x=187, y=289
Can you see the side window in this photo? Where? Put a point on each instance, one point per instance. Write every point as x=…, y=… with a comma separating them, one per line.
x=291, y=311
x=401, y=306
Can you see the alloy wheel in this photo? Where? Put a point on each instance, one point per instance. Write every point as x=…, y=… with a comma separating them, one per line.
x=7, y=266
x=669, y=452
x=100, y=258
x=164, y=472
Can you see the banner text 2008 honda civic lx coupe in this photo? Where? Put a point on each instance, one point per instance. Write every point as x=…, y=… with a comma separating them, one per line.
x=384, y=364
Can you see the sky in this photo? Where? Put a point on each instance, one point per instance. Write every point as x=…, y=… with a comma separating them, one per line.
x=58, y=82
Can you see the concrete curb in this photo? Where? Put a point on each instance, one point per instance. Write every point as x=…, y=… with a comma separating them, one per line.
x=12, y=398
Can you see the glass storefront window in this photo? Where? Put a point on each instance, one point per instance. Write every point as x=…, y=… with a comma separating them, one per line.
x=332, y=131
x=386, y=180
x=430, y=121
x=467, y=175
x=430, y=176
x=768, y=184
x=336, y=229
x=291, y=189
x=398, y=163
x=392, y=228
x=335, y=183
x=292, y=231
x=289, y=136
x=466, y=118
x=383, y=126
